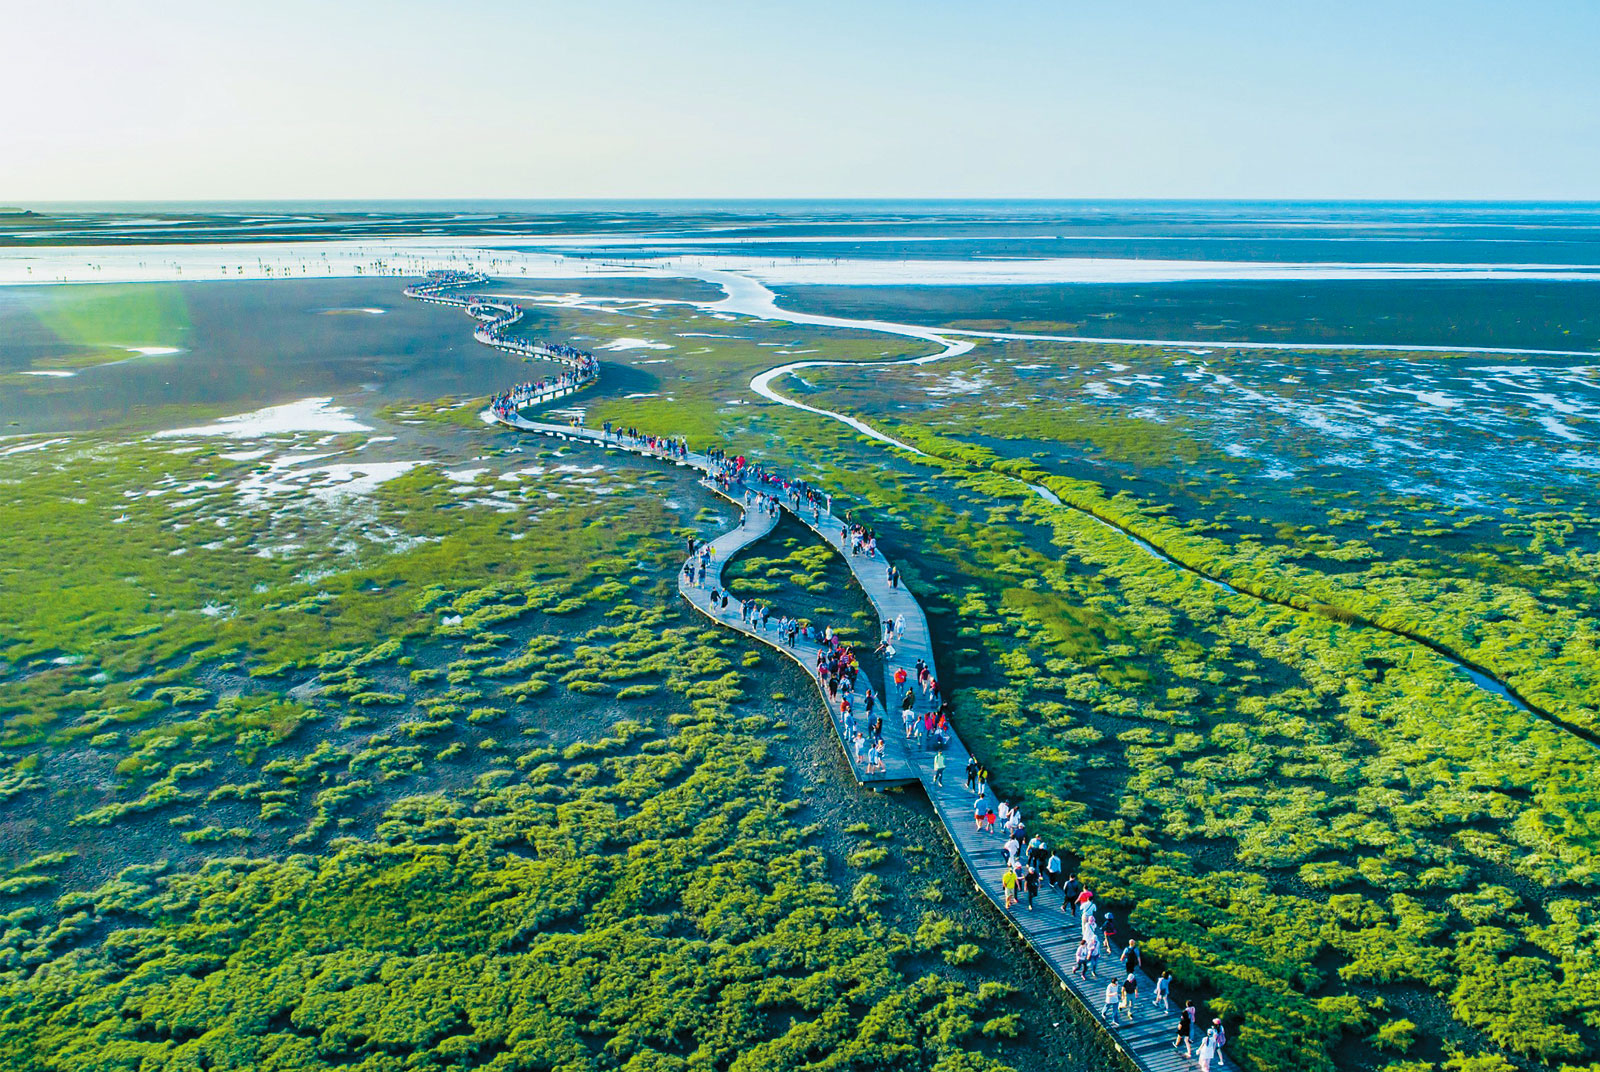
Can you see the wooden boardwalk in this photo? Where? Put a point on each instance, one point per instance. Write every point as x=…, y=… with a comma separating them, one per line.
x=756, y=524
x=1143, y=1039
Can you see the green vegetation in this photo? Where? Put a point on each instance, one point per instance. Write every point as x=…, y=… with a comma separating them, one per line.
x=1297, y=811
x=442, y=775
x=508, y=925
x=350, y=870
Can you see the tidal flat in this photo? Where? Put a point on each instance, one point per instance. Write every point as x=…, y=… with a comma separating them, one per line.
x=299, y=720
x=313, y=703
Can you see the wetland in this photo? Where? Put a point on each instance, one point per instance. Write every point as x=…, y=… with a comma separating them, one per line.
x=341, y=728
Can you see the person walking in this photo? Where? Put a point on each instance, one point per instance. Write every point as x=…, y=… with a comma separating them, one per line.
x=1069, y=900
x=1108, y=1012
x=1052, y=871
x=1222, y=1039
x=1208, y=1049
x=1088, y=912
x=1163, y=992
x=1008, y=882
x=1080, y=960
x=1130, y=990
x=983, y=781
x=1108, y=929
x=1030, y=885
x=972, y=774
x=1130, y=956
x=1186, y=1020
x=938, y=768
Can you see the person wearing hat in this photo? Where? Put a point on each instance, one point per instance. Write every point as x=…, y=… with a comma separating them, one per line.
x=1208, y=1049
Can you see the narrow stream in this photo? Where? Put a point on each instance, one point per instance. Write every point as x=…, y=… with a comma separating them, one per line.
x=1478, y=677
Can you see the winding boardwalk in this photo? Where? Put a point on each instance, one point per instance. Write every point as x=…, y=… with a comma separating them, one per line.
x=749, y=297
x=1145, y=1039
x=755, y=525
x=495, y=317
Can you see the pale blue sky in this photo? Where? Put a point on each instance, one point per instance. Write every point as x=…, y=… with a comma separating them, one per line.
x=608, y=98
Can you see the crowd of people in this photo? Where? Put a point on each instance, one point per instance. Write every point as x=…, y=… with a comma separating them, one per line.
x=860, y=539
x=837, y=665
x=733, y=472
x=1031, y=866
x=930, y=729
x=497, y=316
x=837, y=670
x=507, y=403
x=434, y=284
x=668, y=446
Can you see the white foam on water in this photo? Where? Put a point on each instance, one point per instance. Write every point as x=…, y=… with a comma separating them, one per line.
x=62, y=374
x=1556, y=428
x=1436, y=399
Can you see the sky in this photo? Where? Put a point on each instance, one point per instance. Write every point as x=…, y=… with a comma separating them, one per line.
x=186, y=100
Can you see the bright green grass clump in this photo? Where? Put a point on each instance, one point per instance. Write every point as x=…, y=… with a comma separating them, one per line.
x=1156, y=725
x=631, y=896
x=506, y=925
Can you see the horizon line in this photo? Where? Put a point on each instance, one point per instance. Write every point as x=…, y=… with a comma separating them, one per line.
x=25, y=204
